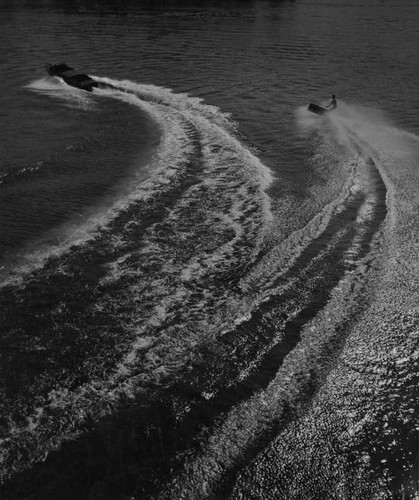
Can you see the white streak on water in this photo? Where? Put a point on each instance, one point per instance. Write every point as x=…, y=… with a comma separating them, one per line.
x=238, y=181
x=169, y=110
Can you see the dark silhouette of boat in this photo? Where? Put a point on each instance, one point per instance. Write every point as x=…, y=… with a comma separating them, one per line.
x=318, y=110
x=71, y=76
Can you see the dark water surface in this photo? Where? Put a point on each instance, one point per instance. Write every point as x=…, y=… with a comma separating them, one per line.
x=206, y=291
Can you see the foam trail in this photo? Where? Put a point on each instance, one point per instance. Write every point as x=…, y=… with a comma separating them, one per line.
x=56, y=88
x=250, y=425
x=206, y=192
x=203, y=115
x=363, y=420
x=225, y=163
x=171, y=112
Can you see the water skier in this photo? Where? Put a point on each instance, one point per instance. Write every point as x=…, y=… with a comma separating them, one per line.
x=332, y=104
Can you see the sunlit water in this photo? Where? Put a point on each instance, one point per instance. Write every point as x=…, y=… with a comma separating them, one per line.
x=207, y=291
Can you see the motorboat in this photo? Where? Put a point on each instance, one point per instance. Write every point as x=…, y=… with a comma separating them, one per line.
x=71, y=76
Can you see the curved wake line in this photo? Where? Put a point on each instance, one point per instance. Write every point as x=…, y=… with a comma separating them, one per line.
x=198, y=153
x=250, y=425
x=56, y=88
x=172, y=112
x=375, y=428
x=205, y=116
x=198, y=149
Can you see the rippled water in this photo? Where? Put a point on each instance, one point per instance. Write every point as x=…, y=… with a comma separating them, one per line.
x=206, y=291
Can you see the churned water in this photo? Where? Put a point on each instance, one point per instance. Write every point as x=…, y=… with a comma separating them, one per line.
x=206, y=291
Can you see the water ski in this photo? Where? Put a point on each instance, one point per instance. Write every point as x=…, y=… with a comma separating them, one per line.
x=318, y=110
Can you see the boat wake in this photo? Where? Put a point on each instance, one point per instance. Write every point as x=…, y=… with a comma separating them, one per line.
x=192, y=308
x=71, y=97
x=135, y=291
x=311, y=301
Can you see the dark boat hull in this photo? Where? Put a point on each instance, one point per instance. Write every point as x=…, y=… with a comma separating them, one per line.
x=318, y=110
x=71, y=76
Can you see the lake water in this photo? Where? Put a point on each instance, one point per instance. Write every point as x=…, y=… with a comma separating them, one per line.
x=207, y=291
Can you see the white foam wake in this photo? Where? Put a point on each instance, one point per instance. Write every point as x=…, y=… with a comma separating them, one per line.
x=396, y=153
x=202, y=140
x=234, y=181
x=174, y=113
x=57, y=89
